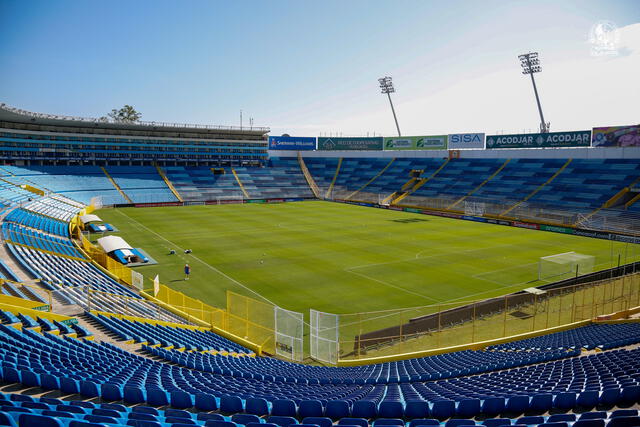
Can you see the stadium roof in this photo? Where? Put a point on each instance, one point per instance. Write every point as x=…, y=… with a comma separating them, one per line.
x=16, y=115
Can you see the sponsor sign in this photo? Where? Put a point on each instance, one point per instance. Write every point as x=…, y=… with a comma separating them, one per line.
x=339, y=143
x=557, y=229
x=526, y=225
x=464, y=141
x=158, y=204
x=616, y=136
x=436, y=142
x=297, y=143
x=580, y=138
x=137, y=280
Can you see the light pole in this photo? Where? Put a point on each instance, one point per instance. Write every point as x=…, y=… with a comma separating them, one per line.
x=530, y=65
x=386, y=86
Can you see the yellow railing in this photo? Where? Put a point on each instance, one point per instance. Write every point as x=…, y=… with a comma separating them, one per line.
x=420, y=331
x=534, y=192
x=235, y=175
x=335, y=177
x=308, y=176
x=372, y=179
x=116, y=186
x=166, y=180
x=493, y=175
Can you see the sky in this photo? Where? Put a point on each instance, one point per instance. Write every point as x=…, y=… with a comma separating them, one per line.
x=310, y=68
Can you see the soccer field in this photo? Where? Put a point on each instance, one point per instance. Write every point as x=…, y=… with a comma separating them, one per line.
x=342, y=258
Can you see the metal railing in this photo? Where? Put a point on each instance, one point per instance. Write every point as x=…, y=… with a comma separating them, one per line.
x=33, y=114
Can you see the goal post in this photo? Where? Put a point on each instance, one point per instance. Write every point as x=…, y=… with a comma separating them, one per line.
x=564, y=265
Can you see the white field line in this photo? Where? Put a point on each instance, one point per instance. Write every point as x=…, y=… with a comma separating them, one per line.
x=391, y=286
x=198, y=259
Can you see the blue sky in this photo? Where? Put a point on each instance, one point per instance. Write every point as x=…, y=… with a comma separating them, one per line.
x=310, y=67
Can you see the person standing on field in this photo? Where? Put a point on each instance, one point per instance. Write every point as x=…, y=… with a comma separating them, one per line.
x=187, y=271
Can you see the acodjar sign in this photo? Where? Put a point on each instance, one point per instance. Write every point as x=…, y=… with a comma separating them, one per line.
x=580, y=138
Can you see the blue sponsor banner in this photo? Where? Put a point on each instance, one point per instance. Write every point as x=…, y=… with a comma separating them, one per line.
x=463, y=141
x=580, y=138
x=297, y=143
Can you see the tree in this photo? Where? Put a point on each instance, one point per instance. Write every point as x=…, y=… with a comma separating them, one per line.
x=126, y=114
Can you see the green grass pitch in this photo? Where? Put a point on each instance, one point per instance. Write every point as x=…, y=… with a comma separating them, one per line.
x=342, y=258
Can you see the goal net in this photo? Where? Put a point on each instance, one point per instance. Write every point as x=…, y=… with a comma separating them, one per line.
x=565, y=265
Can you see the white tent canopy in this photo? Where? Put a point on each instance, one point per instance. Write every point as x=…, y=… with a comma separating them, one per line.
x=113, y=243
x=86, y=219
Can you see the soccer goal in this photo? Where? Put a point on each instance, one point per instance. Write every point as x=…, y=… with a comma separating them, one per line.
x=565, y=265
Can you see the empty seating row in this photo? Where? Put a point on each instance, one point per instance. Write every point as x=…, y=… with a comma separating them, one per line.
x=26, y=236
x=607, y=378
x=73, y=329
x=601, y=336
x=69, y=279
x=412, y=370
x=166, y=336
x=53, y=208
x=32, y=220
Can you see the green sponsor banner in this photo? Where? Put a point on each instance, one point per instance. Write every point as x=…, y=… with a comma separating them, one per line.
x=413, y=210
x=339, y=143
x=255, y=201
x=435, y=142
x=557, y=229
x=580, y=138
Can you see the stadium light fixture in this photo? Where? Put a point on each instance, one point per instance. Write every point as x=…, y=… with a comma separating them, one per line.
x=386, y=86
x=530, y=65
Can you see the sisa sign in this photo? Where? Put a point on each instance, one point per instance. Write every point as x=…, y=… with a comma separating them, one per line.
x=462, y=141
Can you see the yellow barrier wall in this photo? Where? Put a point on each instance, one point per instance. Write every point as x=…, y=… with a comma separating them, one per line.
x=42, y=314
x=21, y=302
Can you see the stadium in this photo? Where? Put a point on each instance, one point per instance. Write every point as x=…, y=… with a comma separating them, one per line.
x=171, y=274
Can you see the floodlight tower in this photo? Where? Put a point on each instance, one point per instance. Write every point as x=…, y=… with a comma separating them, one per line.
x=386, y=86
x=530, y=65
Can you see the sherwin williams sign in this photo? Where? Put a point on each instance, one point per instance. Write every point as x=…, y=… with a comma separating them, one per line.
x=438, y=142
x=541, y=140
x=339, y=143
x=292, y=143
x=617, y=136
x=463, y=141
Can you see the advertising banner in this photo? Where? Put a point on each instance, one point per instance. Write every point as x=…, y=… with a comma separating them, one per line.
x=617, y=136
x=437, y=142
x=463, y=141
x=297, y=143
x=340, y=143
x=580, y=138
x=137, y=280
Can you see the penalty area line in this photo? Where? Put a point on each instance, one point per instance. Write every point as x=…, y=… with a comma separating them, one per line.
x=198, y=259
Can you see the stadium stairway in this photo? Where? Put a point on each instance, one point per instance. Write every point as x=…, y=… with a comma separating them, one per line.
x=116, y=186
x=235, y=175
x=333, y=181
x=101, y=333
x=535, y=191
x=417, y=184
x=376, y=176
x=169, y=184
x=307, y=175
